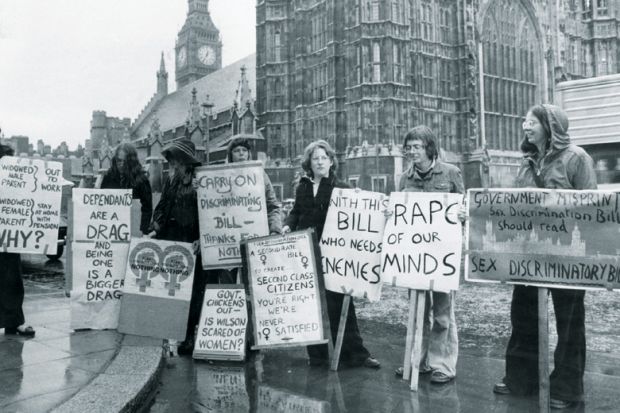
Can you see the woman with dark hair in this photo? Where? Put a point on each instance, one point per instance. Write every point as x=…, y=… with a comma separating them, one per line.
x=550, y=161
x=310, y=210
x=176, y=219
x=12, y=286
x=127, y=173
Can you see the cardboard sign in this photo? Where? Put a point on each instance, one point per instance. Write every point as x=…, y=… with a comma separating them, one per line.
x=101, y=233
x=231, y=208
x=30, y=205
x=422, y=241
x=223, y=320
x=351, y=243
x=285, y=292
x=542, y=237
x=271, y=400
x=158, y=288
x=220, y=389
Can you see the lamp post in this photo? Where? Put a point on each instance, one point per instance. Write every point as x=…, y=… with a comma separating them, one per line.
x=207, y=108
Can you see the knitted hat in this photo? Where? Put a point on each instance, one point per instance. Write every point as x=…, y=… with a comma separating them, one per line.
x=183, y=150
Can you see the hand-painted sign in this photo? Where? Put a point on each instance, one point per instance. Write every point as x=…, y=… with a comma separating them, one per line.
x=351, y=243
x=422, y=241
x=100, y=244
x=285, y=292
x=223, y=320
x=158, y=288
x=30, y=197
x=231, y=208
x=540, y=237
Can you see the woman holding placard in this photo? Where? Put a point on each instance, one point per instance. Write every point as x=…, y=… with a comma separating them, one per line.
x=127, y=173
x=12, y=286
x=176, y=219
x=239, y=150
x=550, y=161
x=310, y=210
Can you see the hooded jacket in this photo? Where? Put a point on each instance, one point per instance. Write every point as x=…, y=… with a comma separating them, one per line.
x=564, y=166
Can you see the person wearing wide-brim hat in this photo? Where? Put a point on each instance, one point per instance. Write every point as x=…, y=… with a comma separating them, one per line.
x=176, y=219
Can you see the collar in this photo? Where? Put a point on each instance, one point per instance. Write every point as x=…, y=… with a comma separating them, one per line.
x=413, y=170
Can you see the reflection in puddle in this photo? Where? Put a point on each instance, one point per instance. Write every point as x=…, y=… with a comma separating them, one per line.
x=271, y=400
x=221, y=389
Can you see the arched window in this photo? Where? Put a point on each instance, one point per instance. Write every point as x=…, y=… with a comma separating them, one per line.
x=512, y=70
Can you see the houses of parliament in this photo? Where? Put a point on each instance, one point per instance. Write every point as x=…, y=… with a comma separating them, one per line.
x=360, y=73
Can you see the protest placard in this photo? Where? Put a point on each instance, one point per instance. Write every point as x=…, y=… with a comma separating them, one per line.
x=286, y=294
x=351, y=243
x=231, y=208
x=158, y=288
x=271, y=400
x=220, y=389
x=100, y=225
x=30, y=205
x=543, y=237
x=421, y=247
x=223, y=320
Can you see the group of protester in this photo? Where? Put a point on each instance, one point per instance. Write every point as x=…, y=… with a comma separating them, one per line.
x=550, y=161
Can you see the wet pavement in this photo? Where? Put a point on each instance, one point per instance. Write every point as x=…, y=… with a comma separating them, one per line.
x=57, y=365
x=38, y=373
x=281, y=381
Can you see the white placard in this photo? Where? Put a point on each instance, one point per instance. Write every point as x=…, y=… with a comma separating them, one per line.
x=422, y=242
x=351, y=243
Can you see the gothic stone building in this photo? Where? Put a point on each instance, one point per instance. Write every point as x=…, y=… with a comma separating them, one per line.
x=360, y=73
x=211, y=103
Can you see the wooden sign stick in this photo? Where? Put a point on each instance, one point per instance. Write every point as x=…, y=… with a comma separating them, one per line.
x=341, y=327
x=543, y=350
x=416, y=351
x=409, y=339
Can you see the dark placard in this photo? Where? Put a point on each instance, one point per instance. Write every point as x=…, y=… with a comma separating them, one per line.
x=223, y=321
x=287, y=294
x=564, y=238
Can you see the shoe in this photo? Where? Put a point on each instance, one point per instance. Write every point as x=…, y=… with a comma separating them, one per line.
x=372, y=363
x=399, y=371
x=438, y=377
x=26, y=331
x=501, y=388
x=559, y=404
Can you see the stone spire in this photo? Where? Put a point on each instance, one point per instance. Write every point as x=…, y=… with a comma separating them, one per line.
x=162, y=78
x=244, y=94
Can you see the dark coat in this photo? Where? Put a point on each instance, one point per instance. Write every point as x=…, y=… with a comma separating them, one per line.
x=141, y=191
x=176, y=215
x=310, y=211
x=11, y=290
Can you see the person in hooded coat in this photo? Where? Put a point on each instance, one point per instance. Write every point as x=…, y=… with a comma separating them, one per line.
x=550, y=161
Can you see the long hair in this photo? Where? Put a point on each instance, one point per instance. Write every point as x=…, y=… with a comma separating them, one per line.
x=540, y=113
x=131, y=172
x=308, y=157
x=425, y=134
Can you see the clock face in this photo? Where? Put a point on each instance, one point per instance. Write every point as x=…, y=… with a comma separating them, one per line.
x=182, y=57
x=206, y=55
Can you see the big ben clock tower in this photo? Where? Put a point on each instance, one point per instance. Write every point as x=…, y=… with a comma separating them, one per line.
x=198, y=48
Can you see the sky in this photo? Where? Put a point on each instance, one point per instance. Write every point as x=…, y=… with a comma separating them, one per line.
x=62, y=59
